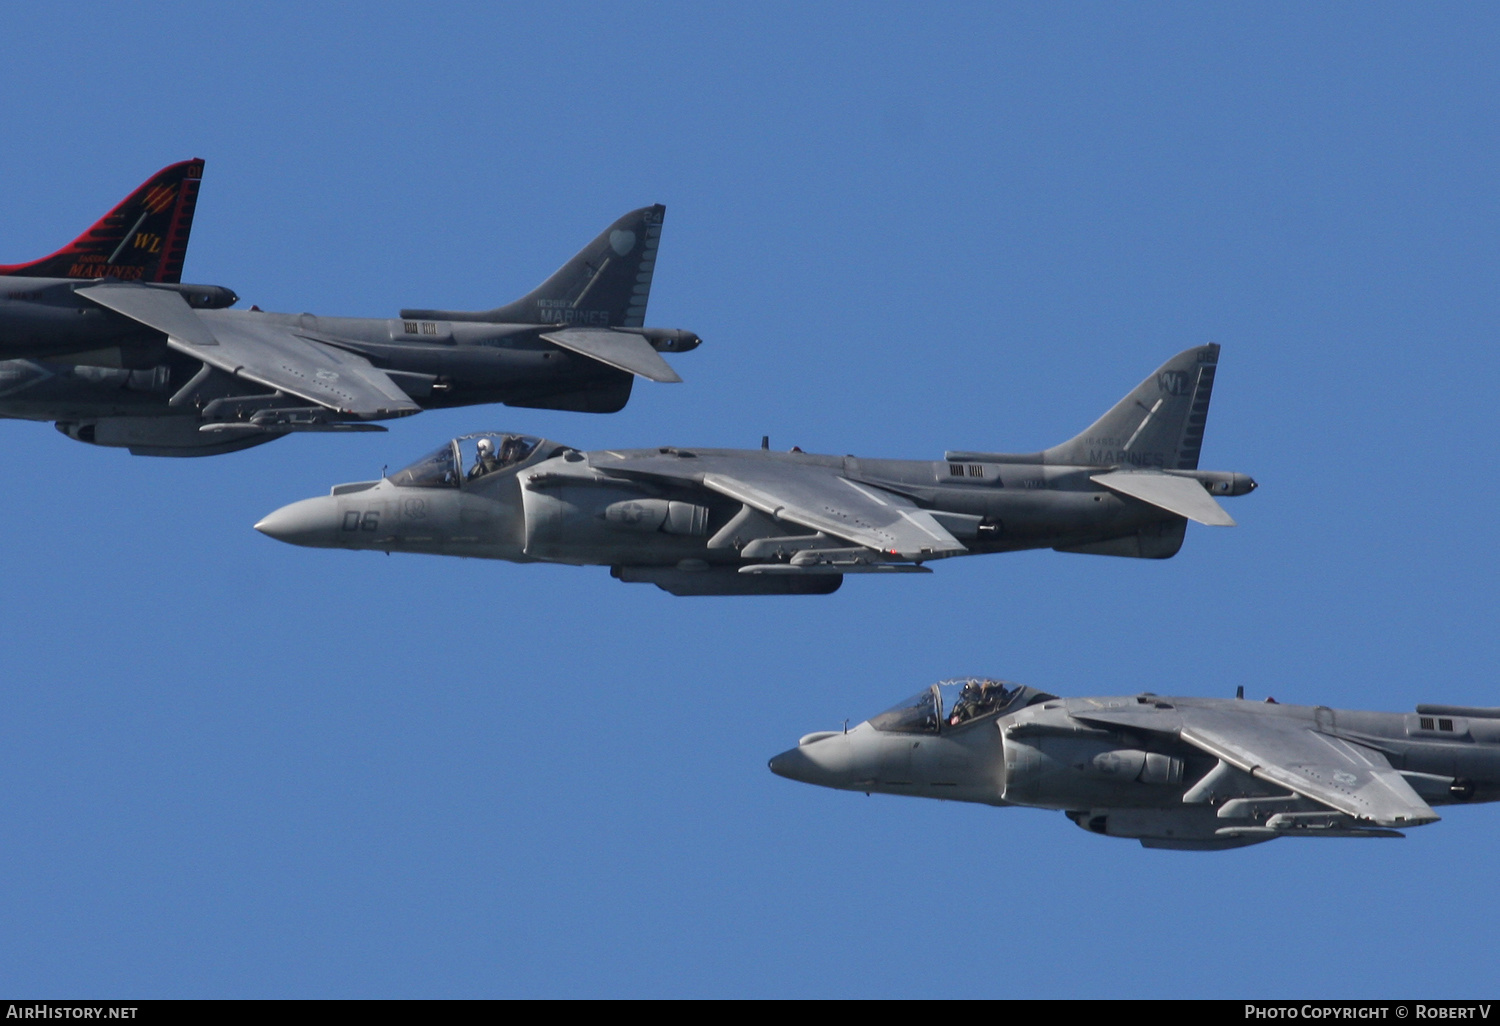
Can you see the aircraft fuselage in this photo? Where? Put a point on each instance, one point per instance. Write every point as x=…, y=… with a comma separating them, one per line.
x=1125, y=767
x=108, y=380
x=561, y=509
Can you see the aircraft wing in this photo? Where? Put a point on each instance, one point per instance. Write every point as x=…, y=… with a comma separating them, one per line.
x=267, y=354
x=811, y=496
x=1348, y=777
x=1181, y=495
x=622, y=350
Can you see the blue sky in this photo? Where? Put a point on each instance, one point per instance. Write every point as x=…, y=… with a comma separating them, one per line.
x=237, y=768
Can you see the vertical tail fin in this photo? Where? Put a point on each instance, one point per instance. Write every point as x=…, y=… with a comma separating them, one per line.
x=144, y=238
x=1157, y=426
x=605, y=286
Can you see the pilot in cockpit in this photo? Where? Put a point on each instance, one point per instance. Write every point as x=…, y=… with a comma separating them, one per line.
x=484, y=459
x=977, y=698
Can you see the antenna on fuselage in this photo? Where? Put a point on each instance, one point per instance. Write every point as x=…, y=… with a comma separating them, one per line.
x=1239, y=692
x=765, y=441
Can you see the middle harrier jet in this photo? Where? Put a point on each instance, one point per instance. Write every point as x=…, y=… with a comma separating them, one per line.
x=755, y=522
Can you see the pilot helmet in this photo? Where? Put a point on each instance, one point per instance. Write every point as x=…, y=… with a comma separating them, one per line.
x=485, y=445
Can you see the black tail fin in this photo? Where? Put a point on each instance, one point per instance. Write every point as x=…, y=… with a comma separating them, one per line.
x=1157, y=426
x=143, y=239
x=605, y=286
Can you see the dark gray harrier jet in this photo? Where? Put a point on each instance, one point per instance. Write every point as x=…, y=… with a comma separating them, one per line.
x=1196, y=774
x=104, y=339
x=755, y=522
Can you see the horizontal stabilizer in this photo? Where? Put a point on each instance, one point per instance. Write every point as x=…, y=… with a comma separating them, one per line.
x=623, y=350
x=1181, y=495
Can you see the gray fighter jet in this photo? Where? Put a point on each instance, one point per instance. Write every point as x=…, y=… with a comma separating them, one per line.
x=104, y=339
x=755, y=522
x=1196, y=774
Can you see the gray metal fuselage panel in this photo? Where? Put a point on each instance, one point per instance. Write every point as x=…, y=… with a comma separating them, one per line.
x=43, y=316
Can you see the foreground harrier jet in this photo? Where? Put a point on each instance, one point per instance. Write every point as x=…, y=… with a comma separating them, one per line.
x=104, y=339
x=754, y=522
x=1197, y=774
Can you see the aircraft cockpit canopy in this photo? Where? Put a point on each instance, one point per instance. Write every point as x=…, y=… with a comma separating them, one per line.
x=950, y=704
x=471, y=457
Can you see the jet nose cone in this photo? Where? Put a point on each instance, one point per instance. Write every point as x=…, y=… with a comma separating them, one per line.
x=823, y=757
x=309, y=522
x=794, y=765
